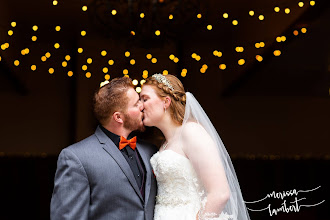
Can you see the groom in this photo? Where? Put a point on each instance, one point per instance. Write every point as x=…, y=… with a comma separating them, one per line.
x=108, y=175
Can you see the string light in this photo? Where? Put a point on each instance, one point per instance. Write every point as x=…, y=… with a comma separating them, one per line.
x=84, y=67
x=184, y=72
x=199, y=16
x=241, y=62
x=34, y=38
x=67, y=57
x=261, y=17
x=295, y=32
x=58, y=28
x=47, y=54
x=33, y=67
x=35, y=28
x=176, y=60
x=83, y=33
x=259, y=58
x=105, y=70
x=239, y=49
x=165, y=72
x=170, y=17
x=88, y=75
x=111, y=62
x=287, y=10
x=225, y=15
x=303, y=30
x=89, y=60
x=312, y=3
x=104, y=83
x=251, y=13
x=157, y=33
x=301, y=4
x=84, y=8
x=55, y=2
x=132, y=61
x=277, y=9
x=127, y=54
x=80, y=50
x=209, y=27
x=125, y=71
x=70, y=73
x=217, y=53
x=43, y=58
x=142, y=15
x=222, y=66
x=107, y=77
x=57, y=45
x=51, y=70
x=13, y=24
x=10, y=32
x=149, y=56
x=142, y=81
x=235, y=22
x=16, y=63
x=154, y=60
x=277, y=53
x=113, y=12
x=64, y=64
x=135, y=82
x=103, y=53
x=145, y=74
x=171, y=57
x=138, y=89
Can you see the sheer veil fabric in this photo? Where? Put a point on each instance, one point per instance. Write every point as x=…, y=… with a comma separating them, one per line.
x=235, y=207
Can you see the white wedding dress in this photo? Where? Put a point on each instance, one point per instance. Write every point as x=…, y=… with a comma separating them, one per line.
x=180, y=192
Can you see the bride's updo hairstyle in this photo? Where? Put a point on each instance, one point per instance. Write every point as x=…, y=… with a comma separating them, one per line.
x=172, y=87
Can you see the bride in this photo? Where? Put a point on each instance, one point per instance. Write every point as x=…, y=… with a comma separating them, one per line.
x=195, y=176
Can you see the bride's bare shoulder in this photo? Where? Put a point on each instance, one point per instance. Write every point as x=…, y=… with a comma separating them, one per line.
x=193, y=130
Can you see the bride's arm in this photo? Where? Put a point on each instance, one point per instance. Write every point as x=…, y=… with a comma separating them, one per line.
x=203, y=154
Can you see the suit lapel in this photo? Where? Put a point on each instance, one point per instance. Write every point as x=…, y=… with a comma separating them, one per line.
x=114, y=152
x=146, y=162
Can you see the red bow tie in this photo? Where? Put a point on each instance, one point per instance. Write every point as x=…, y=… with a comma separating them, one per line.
x=123, y=143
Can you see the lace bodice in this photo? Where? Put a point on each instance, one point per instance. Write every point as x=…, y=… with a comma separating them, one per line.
x=180, y=192
x=176, y=179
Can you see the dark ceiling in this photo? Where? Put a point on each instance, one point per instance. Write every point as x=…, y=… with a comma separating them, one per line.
x=183, y=35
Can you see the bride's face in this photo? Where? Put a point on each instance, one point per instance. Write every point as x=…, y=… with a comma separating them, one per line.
x=153, y=106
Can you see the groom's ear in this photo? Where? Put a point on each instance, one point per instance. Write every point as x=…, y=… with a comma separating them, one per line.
x=117, y=117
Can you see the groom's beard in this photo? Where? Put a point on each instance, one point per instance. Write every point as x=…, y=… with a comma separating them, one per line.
x=133, y=124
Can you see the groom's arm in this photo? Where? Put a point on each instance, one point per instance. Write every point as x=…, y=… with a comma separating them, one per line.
x=71, y=193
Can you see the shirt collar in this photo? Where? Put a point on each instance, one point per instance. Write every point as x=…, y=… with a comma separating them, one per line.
x=114, y=137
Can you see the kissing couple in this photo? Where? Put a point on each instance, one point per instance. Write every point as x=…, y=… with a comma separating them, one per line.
x=112, y=175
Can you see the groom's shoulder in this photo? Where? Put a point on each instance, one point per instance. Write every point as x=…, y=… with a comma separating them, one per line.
x=83, y=144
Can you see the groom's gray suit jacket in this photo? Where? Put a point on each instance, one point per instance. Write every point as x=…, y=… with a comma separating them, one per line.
x=94, y=181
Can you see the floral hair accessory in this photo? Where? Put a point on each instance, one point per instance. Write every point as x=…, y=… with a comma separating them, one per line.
x=162, y=79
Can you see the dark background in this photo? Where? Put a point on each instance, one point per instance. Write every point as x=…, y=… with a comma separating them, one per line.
x=273, y=116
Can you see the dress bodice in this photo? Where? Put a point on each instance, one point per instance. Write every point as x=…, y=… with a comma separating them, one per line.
x=176, y=179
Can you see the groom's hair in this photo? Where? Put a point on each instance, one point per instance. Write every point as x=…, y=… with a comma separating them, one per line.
x=110, y=98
